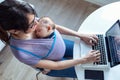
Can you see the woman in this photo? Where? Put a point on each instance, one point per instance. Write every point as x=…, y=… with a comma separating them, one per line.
x=17, y=28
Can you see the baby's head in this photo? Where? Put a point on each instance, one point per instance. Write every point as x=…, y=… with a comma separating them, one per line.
x=45, y=27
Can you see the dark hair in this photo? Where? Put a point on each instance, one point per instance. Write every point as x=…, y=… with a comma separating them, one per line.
x=13, y=15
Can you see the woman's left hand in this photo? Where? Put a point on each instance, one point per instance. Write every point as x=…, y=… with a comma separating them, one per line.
x=45, y=71
x=90, y=39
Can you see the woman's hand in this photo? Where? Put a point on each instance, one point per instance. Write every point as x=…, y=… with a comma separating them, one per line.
x=45, y=71
x=89, y=39
x=92, y=56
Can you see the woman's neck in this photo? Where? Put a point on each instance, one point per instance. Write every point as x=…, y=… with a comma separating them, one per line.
x=24, y=36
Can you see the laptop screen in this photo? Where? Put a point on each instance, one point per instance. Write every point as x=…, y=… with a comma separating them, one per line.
x=113, y=37
x=114, y=30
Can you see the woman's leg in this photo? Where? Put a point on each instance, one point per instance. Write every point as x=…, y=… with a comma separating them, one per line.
x=69, y=48
x=69, y=72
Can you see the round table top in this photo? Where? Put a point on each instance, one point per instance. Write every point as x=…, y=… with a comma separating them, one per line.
x=98, y=22
x=102, y=18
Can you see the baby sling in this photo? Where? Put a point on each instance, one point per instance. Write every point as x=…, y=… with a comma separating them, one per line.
x=35, y=55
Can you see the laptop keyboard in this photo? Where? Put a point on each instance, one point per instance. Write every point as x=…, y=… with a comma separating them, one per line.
x=100, y=46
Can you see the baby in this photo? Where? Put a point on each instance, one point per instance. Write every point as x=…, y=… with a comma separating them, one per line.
x=45, y=28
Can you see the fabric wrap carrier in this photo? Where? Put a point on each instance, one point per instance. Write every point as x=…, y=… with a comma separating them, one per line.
x=28, y=50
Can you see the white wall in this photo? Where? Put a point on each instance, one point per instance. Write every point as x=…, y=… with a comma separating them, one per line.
x=101, y=2
x=1, y=45
x=1, y=1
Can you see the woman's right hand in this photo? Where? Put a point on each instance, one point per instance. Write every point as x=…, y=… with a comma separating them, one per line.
x=92, y=56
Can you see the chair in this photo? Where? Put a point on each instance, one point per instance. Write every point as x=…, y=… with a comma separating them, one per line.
x=40, y=72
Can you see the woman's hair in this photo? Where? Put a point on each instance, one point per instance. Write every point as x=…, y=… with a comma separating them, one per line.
x=13, y=15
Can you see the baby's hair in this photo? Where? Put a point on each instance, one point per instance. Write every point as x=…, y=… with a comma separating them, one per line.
x=52, y=25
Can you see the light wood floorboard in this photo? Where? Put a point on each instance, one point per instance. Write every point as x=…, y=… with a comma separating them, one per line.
x=68, y=13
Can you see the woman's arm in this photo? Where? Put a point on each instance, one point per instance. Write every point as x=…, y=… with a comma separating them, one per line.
x=93, y=56
x=89, y=39
x=67, y=31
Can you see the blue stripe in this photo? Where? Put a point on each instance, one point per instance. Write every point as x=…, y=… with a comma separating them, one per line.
x=25, y=51
x=51, y=47
x=30, y=53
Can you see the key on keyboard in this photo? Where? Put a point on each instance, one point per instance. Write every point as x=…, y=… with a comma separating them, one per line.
x=100, y=46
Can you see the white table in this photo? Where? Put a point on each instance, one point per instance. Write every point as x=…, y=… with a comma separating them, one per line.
x=98, y=22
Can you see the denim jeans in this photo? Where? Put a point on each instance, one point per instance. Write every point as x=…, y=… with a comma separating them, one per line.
x=68, y=72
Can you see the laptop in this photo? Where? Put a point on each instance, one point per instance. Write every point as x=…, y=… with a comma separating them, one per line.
x=109, y=46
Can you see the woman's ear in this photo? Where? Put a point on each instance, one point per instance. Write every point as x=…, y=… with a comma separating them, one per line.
x=13, y=31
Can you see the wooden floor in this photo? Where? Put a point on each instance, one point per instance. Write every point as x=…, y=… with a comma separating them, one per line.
x=69, y=13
